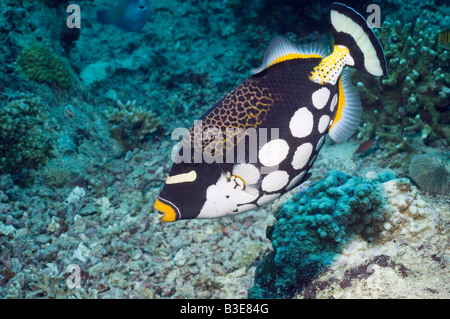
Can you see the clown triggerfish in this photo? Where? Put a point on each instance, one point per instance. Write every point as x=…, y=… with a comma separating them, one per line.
x=261, y=139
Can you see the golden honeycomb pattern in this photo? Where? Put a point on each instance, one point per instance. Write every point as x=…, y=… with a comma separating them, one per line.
x=244, y=107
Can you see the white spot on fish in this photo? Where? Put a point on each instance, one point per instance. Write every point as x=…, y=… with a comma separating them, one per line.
x=301, y=123
x=267, y=198
x=275, y=181
x=324, y=122
x=302, y=155
x=320, y=143
x=320, y=98
x=334, y=102
x=273, y=152
x=295, y=180
x=246, y=207
x=226, y=197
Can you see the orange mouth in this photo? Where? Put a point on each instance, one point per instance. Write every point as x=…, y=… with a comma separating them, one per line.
x=165, y=212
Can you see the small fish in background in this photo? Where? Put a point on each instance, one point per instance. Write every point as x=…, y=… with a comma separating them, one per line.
x=365, y=148
x=444, y=39
x=130, y=15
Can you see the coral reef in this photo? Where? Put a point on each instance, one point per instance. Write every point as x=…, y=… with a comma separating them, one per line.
x=388, y=267
x=131, y=125
x=316, y=225
x=431, y=171
x=27, y=135
x=91, y=200
x=40, y=64
x=312, y=227
x=413, y=101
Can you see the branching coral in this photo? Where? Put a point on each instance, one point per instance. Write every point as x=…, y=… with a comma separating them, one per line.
x=27, y=135
x=414, y=99
x=40, y=64
x=131, y=125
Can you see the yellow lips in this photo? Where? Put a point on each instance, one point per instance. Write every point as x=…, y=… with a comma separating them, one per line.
x=168, y=211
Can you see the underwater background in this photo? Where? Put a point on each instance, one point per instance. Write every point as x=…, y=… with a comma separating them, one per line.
x=86, y=117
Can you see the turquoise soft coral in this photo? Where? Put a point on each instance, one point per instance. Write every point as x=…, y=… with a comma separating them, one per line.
x=311, y=229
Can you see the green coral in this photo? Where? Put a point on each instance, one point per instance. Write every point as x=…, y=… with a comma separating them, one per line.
x=413, y=100
x=56, y=174
x=27, y=135
x=40, y=64
x=313, y=227
x=131, y=125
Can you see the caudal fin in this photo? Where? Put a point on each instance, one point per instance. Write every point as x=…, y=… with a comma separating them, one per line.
x=351, y=30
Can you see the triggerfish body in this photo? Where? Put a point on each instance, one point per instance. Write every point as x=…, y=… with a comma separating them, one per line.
x=130, y=15
x=299, y=96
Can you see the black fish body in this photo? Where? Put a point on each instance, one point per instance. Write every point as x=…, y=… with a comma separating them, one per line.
x=261, y=139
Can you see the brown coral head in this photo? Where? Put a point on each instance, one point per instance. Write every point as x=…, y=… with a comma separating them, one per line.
x=431, y=171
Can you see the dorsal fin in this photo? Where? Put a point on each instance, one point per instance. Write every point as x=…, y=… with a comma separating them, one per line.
x=281, y=49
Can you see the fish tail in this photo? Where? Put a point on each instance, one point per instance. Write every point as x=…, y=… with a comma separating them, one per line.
x=105, y=17
x=351, y=30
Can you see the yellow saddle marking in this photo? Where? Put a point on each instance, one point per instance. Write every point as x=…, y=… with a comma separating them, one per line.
x=330, y=66
x=292, y=56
